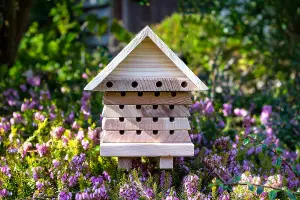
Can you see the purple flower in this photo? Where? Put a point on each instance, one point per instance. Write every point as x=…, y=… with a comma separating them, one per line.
x=42, y=149
x=34, y=80
x=221, y=124
x=227, y=107
x=23, y=87
x=72, y=181
x=55, y=163
x=5, y=170
x=129, y=191
x=64, y=195
x=26, y=147
x=39, y=185
x=265, y=114
x=149, y=193
x=85, y=144
x=4, y=193
x=106, y=176
x=240, y=112
x=64, y=177
x=209, y=108
x=39, y=117
x=190, y=183
x=75, y=126
x=57, y=132
x=80, y=135
x=45, y=95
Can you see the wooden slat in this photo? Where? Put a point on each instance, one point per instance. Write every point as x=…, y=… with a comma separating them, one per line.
x=178, y=136
x=132, y=98
x=145, y=111
x=145, y=124
x=146, y=149
x=166, y=162
x=146, y=84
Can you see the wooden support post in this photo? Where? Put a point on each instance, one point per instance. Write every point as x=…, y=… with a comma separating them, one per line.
x=166, y=162
x=125, y=163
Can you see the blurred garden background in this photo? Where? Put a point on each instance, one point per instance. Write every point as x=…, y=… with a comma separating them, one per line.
x=245, y=127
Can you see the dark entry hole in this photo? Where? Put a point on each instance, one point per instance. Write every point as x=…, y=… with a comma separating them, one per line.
x=155, y=119
x=155, y=107
x=109, y=84
x=157, y=94
x=140, y=94
x=155, y=132
x=138, y=106
x=171, y=107
x=121, y=119
x=138, y=132
x=173, y=94
x=172, y=132
x=123, y=94
x=184, y=84
x=172, y=119
x=121, y=106
x=121, y=132
x=138, y=119
x=134, y=84
x=158, y=84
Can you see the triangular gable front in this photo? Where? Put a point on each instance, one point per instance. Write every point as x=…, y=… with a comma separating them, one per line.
x=123, y=63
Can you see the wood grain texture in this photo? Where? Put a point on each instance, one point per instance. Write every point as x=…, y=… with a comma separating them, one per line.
x=146, y=149
x=146, y=84
x=132, y=98
x=114, y=124
x=141, y=36
x=145, y=111
x=166, y=162
x=177, y=136
x=124, y=163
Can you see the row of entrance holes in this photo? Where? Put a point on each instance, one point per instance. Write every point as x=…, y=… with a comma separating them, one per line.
x=139, y=119
x=171, y=107
x=138, y=132
x=140, y=94
x=134, y=84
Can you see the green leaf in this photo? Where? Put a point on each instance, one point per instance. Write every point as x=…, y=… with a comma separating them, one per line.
x=279, y=150
x=278, y=162
x=259, y=190
x=264, y=146
x=272, y=194
x=291, y=195
x=250, y=187
x=246, y=141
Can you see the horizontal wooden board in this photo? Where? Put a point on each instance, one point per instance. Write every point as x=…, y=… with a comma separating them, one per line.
x=146, y=84
x=174, y=136
x=145, y=124
x=145, y=111
x=146, y=149
x=148, y=98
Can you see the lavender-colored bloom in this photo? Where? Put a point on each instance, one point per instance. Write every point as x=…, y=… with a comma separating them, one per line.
x=45, y=95
x=42, y=149
x=64, y=195
x=5, y=170
x=16, y=119
x=34, y=80
x=196, y=138
x=4, y=193
x=222, y=142
x=265, y=114
x=4, y=125
x=209, y=108
x=23, y=87
x=39, y=117
x=75, y=126
x=106, y=176
x=190, y=183
x=251, y=151
x=64, y=177
x=70, y=118
x=129, y=192
x=221, y=124
x=57, y=132
x=80, y=135
x=39, y=185
x=72, y=181
x=227, y=109
x=85, y=144
x=240, y=112
x=55, y=163
x=149, y=193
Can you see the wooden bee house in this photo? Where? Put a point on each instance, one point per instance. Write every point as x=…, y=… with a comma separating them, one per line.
x=147, y=94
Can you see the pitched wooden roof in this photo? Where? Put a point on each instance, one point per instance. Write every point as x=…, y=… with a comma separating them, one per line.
x=146, y=32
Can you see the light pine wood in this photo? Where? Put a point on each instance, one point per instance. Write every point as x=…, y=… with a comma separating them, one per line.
x=146, y=149
x=166, y=162
x=145, y=124
x=145, y=111
x=125, y=163
x=132, y=98
x=176, y=136
x=146, y=84
x=146, y=34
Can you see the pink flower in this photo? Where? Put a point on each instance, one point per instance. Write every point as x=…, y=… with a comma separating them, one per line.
x=85, y=144
x=80, y=135
x=34, y=80
x=39, y=117
x=240, y=112
x=265, y=114
x=57, y=132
